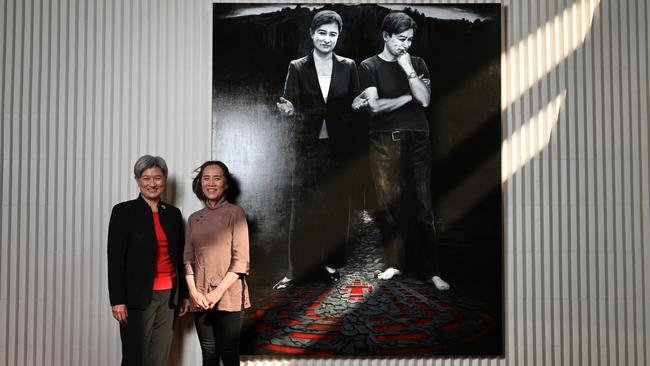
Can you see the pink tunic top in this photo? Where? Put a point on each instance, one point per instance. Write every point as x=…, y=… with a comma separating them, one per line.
x=216, y=242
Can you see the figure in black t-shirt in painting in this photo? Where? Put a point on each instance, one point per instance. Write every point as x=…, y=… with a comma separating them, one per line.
x=395, y=92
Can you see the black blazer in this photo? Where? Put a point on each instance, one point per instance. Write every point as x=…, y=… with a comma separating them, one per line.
x=132, y=252
x=303, y=90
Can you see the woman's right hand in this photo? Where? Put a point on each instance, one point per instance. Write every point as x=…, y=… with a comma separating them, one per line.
x=285, y=107
x=120, y=313
x=199, y=301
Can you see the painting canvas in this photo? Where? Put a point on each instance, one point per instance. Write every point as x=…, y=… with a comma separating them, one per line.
x=312, y=212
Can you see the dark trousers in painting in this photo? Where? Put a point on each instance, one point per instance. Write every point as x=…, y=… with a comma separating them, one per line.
x=219, y=333
x=319, y=212
x=146, y=338
x=400, y=164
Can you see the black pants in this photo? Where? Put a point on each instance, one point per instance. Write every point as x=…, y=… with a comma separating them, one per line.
x=400, y=164
x=318, y=230
x=147, y=336
x=219, y=333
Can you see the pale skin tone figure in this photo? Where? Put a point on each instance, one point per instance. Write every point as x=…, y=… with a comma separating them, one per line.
x=214, y=186
x=152, y=183
x=396, y=48
x=324, y=39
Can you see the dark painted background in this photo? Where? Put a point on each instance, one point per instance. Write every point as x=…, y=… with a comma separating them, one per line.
x=251, y=55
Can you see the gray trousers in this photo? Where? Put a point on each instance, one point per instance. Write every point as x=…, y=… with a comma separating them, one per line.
x=147, y=336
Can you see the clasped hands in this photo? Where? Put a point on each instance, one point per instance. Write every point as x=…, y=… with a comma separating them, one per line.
x=207, y=301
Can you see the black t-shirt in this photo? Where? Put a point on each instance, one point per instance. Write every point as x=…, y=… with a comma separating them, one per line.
x=391, y=82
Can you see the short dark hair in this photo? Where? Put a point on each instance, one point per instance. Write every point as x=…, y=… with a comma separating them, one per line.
x=147, y=162
x=325, y=17
x=196, y=182
x=397, y=22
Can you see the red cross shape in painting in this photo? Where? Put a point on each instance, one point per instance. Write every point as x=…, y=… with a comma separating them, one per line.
x=358, y=290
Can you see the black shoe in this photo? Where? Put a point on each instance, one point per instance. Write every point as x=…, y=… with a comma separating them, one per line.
x=332, y=278
x=284, y=283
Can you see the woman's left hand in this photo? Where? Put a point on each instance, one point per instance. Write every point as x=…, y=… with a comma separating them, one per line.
x=213, y=297
x=361, y=101
x=426, y=81
x=185, y=308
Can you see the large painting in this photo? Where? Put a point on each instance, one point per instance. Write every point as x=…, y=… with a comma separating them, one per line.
x=309, y=111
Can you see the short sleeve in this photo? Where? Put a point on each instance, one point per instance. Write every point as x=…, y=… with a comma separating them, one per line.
x=422, y=68
x=367, y=77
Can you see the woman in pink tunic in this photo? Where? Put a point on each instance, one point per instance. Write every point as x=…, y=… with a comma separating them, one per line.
x=217, y=262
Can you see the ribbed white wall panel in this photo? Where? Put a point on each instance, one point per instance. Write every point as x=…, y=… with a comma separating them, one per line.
x=88, y=86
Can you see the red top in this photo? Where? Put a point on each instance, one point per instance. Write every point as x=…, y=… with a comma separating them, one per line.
x=165, y=274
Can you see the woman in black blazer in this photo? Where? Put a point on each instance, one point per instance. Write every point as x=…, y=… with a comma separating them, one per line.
x=318, y=93
x=145, y=279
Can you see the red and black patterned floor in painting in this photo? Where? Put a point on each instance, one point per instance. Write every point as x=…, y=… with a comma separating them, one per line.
x=365, y=316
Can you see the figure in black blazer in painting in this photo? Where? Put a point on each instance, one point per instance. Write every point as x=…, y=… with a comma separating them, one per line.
x=145, y=279
x=318, y=93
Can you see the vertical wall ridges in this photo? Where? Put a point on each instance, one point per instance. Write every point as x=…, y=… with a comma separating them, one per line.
x=77, y=100
x=4, y=133
x=644, y=136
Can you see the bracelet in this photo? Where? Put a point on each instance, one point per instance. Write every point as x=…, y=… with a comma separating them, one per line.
x=412, y=75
